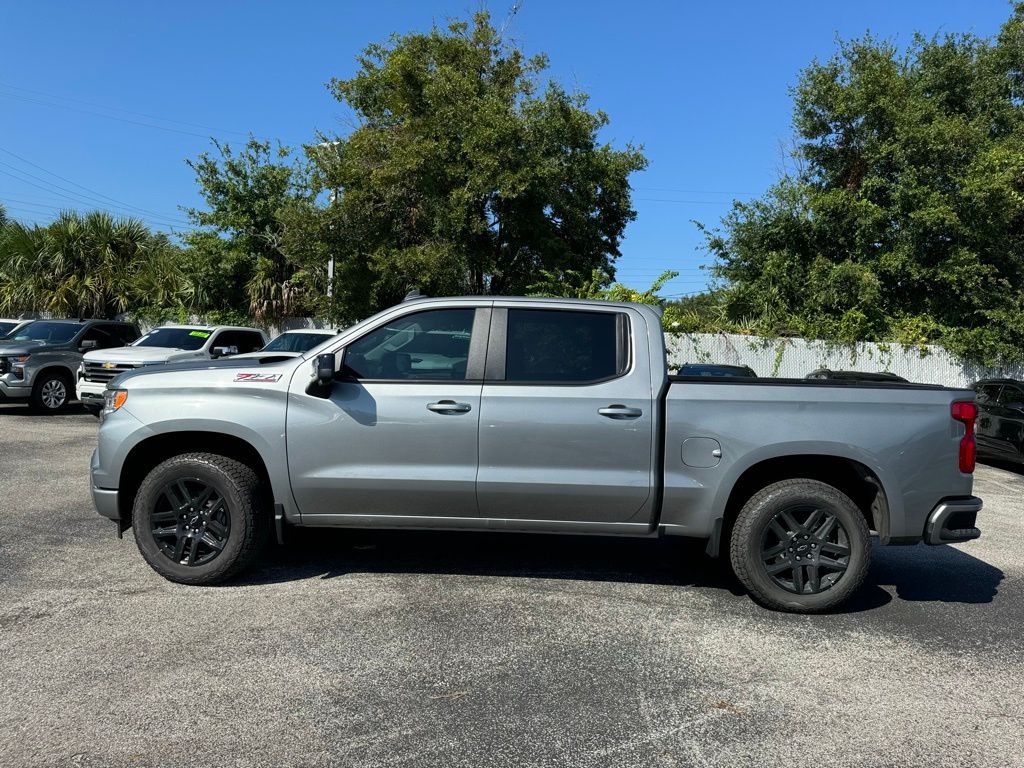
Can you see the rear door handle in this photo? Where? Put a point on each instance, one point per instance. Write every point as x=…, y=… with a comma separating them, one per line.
x=616, y=411
x=449, y=406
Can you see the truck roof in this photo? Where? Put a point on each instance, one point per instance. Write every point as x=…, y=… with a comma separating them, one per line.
x=201, y=327
x=530, y=300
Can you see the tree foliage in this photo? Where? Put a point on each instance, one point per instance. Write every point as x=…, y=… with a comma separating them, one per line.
x=254, y=197
x=904, y=217
x=464, y=175
x=89, y=265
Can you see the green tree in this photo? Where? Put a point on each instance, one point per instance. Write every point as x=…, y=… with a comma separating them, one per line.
x=463, y=175
x=88, y=265
x=903, y=218
x=241, y=249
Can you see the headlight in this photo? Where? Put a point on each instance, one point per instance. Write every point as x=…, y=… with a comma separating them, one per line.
x=81, y=370
x=113, y=399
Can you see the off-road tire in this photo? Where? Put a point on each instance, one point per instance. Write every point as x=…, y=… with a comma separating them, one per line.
x=41, y=401
x=244, y=496
x=747, y=547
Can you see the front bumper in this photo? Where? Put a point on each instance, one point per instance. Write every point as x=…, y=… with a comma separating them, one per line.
x=14, y=389
x=91, y=392
x=953, y=521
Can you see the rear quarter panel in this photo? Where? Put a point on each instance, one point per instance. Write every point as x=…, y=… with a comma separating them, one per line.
x=904, y=435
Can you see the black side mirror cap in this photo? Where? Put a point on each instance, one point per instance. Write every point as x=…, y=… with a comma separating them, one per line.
x=325, y=371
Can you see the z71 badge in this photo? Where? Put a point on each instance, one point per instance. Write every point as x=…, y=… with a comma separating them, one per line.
x=258, y=378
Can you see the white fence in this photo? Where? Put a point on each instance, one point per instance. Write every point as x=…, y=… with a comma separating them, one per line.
x=795, y=358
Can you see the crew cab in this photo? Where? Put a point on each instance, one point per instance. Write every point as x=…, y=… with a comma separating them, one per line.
x=168, y=343
x=537, y=415
x=38, y=359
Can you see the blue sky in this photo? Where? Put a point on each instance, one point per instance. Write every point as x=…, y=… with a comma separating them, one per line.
x=100, y=103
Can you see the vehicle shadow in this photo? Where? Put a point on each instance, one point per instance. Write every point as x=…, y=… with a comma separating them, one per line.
x=1007, y=466
x=937, y=574
x=918, y=573
x=8, y=408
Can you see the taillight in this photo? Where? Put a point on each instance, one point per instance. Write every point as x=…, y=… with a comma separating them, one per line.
x=966, y=411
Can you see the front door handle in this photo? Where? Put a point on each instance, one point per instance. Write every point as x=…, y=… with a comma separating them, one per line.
x=617, y=411
x=449, y=406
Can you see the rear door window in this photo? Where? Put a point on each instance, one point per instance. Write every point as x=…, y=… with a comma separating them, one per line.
x=565, y=347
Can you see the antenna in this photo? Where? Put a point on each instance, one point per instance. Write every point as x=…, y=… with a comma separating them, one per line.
x=414, y=294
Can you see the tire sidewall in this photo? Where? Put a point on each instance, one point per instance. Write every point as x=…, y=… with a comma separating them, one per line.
x=145, y=501
x=834, y=502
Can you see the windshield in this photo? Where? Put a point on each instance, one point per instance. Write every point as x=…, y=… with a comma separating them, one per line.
x=296, y=342
x=6, y=328
x=189, y=339
x=47, y=332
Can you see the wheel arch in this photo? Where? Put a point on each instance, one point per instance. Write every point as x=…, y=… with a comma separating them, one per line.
x=850, y=476
x=150, y=452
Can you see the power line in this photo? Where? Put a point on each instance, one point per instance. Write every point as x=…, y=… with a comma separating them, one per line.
x=76, y=184
x=81, y=199
x=120, y=109
x=108, y=209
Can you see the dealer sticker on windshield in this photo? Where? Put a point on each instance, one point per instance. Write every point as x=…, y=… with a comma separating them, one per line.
x=258, y=378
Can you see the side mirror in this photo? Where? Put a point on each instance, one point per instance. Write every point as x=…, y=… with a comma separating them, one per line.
x=324, y=369
x=223, y=351
x=88, y=344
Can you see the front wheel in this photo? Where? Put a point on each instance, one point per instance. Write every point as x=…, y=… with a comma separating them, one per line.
x=51, y=392
x=200, y=518
x=801, y=546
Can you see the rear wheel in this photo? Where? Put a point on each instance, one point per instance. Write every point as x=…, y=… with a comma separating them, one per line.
x=200, y=518
x=801, y=546
x=51, y=392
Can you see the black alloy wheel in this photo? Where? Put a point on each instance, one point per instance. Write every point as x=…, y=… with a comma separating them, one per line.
x=190, y=522
x=805, y=549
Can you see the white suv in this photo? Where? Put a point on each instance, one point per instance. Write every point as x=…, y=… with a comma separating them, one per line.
x=166, y=344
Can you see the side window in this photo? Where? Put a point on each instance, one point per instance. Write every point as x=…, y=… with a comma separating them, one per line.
x=127, y=333
x=1010, y=395
x=104, y=340
x=243, y=341
x=565, y=346
x=250, y=341
x=120, y=335
x=988, y=393
x=425, y=346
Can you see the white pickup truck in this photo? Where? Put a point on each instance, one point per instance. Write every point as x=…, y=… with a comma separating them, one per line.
x=166, y=344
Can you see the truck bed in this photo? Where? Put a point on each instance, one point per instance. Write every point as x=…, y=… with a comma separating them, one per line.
x=897, y=436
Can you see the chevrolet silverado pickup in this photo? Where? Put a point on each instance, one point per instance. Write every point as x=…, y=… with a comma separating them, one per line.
x=543, y=415
x=38, y=360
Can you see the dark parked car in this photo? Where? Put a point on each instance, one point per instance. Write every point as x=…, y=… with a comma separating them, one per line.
x=1000, y=419
x=713, y=369
x=877, y=377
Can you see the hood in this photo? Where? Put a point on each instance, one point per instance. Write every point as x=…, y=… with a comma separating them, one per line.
x=30, y=347
x=140, y=355
x=267, y=357
x=195, y=365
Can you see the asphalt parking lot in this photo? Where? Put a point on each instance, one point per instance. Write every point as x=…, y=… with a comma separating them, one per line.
x=383, y=649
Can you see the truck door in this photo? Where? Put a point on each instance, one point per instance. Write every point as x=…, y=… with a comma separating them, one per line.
x=567, y=416
x=397, y=434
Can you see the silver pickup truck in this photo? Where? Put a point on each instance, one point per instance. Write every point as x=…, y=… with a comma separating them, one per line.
x=554, y=416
